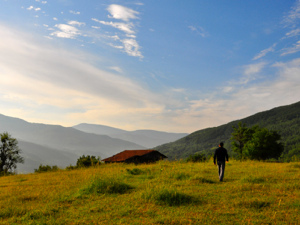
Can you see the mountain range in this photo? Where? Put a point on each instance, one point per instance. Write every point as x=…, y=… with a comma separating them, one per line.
x=61, y=146
x=284, y=119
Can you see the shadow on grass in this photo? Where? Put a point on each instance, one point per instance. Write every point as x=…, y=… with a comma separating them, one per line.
x=202, y=180
x=169, y=197
x=105, y=186
x=254, y=204
x=135, y=171
x=180, y=176
x=253, y=180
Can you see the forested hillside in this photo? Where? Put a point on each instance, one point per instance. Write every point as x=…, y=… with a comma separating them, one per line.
x=284, y=119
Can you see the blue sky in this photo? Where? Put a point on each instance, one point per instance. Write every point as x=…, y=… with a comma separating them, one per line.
x=176, y=66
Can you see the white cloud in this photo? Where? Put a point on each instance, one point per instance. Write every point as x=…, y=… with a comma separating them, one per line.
x=115, y=46
x=45, y=25
x=264, y=52
x=131, y=47
x=121, y=12
x=73, y=12
x=37, y=9
x=30, y=7
x=199, y=30
x=95, y=27
x=115, y=68
x=73, y=22
x=126, y=27
x=48, y=37
x=291, y=50
x=63, y=86
x=139, y=3
x=44, y=2
x=130, y=36
x=293, y=33
x=254, y=68
x=66, y=31
x=293, y=15
x=54, y=18
x=115, y=37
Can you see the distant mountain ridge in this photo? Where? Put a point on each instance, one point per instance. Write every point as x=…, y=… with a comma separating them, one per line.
x=285, y=119
x=147, y=138
x=62, y=140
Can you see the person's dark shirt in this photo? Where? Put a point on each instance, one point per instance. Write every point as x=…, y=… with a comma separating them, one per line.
x=220, y=155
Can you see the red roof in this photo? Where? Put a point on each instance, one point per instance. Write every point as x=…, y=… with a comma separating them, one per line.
x=122, y=156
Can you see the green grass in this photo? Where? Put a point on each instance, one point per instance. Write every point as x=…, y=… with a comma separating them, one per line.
x=162, y=193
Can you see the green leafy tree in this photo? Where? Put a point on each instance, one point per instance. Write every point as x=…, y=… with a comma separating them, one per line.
x=87, y=161
x=263, y=145
x=241, y=135
x=256, y=143
x=9, y=153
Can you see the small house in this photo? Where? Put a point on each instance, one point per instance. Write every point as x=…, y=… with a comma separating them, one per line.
x=136, y=156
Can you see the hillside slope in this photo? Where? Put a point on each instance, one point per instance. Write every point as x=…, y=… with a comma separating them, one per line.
x=285, y=119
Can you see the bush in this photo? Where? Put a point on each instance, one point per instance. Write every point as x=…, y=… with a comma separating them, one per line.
x=106, y=186
x=168, y=197
x=196, y=158
x=87, y=161
x=45, y=168
x=135, y=171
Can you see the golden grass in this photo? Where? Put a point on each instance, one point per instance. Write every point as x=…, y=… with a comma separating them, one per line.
x=163, y=193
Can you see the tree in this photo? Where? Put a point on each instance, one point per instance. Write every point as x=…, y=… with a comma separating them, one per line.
x=9, y=153
x=263, y=145
x=241, y=135
x=256, y=143
x=86, y=161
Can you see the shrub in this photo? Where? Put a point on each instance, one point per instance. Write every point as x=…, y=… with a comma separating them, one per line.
x=196, y=158
x=168, y=197
x=45, y=168
x=106, y=186
x=87, y=161
x=135, y=171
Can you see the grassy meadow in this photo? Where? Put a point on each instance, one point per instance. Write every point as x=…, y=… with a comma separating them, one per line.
x=162, y=193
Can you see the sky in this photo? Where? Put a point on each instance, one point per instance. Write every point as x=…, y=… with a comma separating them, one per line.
x=175, y=66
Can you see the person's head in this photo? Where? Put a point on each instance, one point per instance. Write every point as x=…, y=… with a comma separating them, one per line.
x=221, y=144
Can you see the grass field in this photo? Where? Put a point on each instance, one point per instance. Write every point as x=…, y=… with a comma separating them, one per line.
x=162, y=193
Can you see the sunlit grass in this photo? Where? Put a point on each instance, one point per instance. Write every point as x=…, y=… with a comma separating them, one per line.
x=161, y=193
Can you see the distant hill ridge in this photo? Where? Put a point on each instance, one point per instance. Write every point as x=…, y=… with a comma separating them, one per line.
x=147, y=138
x=285, y=119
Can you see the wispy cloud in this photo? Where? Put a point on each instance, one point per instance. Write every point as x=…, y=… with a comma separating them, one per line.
x=264, y=52
x=54, y=18
x=295, y=48
x=132, y=47
x=293, y=33
x=121, y=12
x=293, y=15
x=126, y=27
x=73, y=12
x=66, y=31
x=116, y=68
x=95, y=27
x=76, y=23
x=199, y=30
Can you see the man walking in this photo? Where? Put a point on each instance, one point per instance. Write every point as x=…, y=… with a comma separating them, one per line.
x=221, y=155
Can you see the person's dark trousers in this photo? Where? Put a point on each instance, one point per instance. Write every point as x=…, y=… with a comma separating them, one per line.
x=221, y=166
